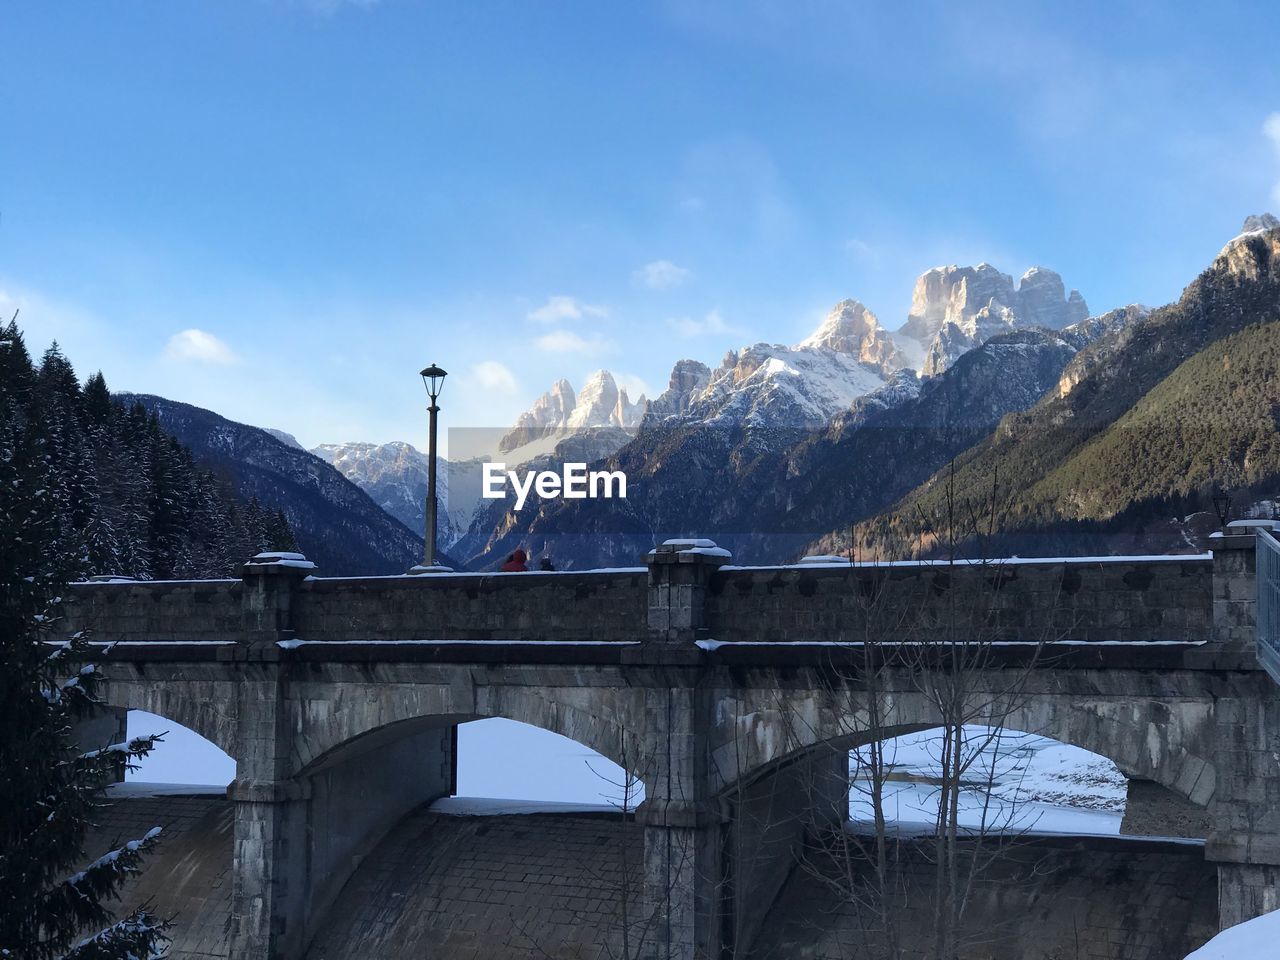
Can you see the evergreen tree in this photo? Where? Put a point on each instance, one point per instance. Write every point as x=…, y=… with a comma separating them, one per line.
x=49, y=788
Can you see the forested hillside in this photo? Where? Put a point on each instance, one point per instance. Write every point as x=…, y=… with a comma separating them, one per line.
x=126, y=497
x=336, y=524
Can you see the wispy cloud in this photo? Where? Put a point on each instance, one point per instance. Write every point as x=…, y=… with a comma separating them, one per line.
x=327, y=8
x=566, y=341
x=661, y=275
x=864, y=252
x=198, y=346
x=689, y=327
x=495, y=376
x=1271, y=129
x=566, y=308
x=635, y=386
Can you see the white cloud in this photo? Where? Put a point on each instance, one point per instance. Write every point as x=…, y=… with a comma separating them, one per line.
x=492, y=375
x=566, y=341
x=198, y=346
x=661, y=275
x=688, y=327
x=566, y=308
x=1271, y=129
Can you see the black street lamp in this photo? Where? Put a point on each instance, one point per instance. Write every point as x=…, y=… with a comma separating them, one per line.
x=433, y=380
x=1222, y=505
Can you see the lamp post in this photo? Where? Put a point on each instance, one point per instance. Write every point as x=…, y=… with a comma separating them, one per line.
x=433, y=380
x=1222, y=506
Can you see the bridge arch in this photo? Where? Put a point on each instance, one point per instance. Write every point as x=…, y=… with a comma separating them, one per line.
x=208, y=708
x=1159, y=740
x=331, y=728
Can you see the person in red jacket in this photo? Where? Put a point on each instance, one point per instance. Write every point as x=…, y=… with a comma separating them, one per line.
x=516, y=563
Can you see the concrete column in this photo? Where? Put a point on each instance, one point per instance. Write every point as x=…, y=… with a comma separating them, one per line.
x=679, y=573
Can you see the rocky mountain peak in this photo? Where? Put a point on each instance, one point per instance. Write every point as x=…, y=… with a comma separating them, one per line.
x=954, y=309
x=688, y=377
x=596, y=402
x=1245, y=257
x=1258, y=222
x=1042, y=301
x=850, y=328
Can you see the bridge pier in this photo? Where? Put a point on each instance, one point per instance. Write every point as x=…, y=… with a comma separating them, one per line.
x=298, y=837
x=1245, y=810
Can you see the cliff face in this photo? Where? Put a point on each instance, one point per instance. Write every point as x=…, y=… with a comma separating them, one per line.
x=954, y=309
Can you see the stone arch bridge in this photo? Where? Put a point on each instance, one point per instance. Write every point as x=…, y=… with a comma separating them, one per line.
x=733, y=693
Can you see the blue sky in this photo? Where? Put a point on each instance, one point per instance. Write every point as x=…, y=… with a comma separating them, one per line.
x=281, y=210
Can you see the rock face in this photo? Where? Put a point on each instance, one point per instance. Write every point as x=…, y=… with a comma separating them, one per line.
x=1042, y=303
x=1087, y=331
x=954, y=309
x=601, y=415
x=1255, y=251
x=549, y=412
x=851, y=329
x=688, y=378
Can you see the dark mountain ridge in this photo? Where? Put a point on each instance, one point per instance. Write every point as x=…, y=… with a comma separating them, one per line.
x=336, y=524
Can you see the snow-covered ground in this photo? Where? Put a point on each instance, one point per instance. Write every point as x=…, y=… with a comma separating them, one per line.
x=1254, y=939
x=1037, y=784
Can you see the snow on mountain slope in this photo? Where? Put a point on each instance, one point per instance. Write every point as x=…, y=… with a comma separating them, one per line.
x=848, y=356
x=393, y=474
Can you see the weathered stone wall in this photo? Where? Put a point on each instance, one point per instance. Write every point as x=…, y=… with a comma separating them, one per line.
x=499, y=888
x=549, y=887
x=187, y=876
x=1049, y=899
x=1119, y=600
x=187, y=611
x=532, y=606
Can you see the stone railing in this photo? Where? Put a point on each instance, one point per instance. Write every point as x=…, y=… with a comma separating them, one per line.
x=688, y=591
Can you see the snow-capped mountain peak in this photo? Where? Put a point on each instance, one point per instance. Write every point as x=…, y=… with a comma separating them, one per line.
x=850, y=328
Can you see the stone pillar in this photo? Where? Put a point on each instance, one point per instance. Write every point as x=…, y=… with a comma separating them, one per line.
x=1235, y=590
x=269, y=838
x=679, y=573
x=1245, y=809
x=1245, y=891
x=681, y=830
x=271, y=582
